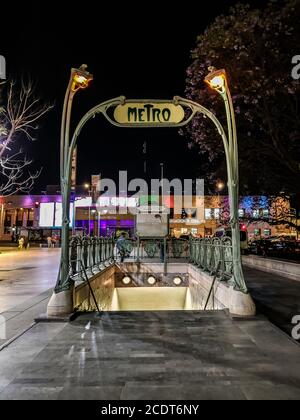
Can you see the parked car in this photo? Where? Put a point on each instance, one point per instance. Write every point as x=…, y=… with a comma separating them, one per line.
x=275, y=247
x=259, y=247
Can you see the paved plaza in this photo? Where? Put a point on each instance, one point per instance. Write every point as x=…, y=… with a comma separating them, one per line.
x=27, y=279
x=152, y=355
x=173, y=355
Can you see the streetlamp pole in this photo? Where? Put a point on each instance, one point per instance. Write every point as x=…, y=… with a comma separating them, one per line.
x=88, y=187
x=61, y=299
x=217, y=80
x=162, y=183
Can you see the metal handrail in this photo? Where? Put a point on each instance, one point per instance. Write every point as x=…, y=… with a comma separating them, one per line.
x=213, y=255
x=90, y=287
x=151, y=248
x=90, y=254
x=93, y=254
x=212, y=287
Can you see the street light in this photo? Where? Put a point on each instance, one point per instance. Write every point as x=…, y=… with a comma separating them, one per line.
x=220, y=186
x=79, y=79
x=217, y=81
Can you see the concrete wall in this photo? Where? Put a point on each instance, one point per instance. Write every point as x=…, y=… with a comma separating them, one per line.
x=282, y=268
x=152, y=298
x=192, y=296
x=103, y=285
x=154, y=267
x=200, y=285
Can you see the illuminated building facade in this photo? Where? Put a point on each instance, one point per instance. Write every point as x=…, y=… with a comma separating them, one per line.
x=40, y=215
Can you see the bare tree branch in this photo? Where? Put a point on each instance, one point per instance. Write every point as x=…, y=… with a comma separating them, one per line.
x=18, y=118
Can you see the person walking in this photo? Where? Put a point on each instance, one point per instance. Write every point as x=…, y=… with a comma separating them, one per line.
x=21, y=243
x=49, y=242
x=121, y=246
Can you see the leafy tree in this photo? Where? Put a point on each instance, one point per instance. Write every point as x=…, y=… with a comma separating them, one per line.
x=256, y=47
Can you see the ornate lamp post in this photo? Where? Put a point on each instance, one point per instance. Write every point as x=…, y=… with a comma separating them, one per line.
x=79, y=79
x=217, y=80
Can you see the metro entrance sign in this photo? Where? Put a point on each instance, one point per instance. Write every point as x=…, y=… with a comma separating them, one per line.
x=149, y=113
x=121, y=112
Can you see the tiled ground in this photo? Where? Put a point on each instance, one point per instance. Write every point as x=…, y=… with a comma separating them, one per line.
x=26, y=274
x=27, y=279
x=152, y=355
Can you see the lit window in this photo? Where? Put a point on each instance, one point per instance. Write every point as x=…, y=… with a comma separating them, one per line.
x=267, y=232
x=255, y=214
x=241, y=213
x=208, y=214
x=265, y=213
x=217, y=213
x=212, y=214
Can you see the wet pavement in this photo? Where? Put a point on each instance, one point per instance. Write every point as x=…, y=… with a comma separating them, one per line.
x=152, y=356
x=27, y=279
x=277, y=297
x=144, y=355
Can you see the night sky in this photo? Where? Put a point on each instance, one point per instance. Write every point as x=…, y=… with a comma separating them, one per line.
x=140, y=50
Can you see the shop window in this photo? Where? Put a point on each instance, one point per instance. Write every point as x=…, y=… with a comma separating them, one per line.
x=30, y=218
x=217, y=213
x=211, y=214
x=208, y=214
x=8, y=218
x=19, y=221
x=265, y=213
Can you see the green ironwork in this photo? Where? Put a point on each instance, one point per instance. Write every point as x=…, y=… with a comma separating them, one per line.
x=125, y=248
x=178, y=247
x=91, y=253
x=213, y=256
x=151, y=248
x=231, y=153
